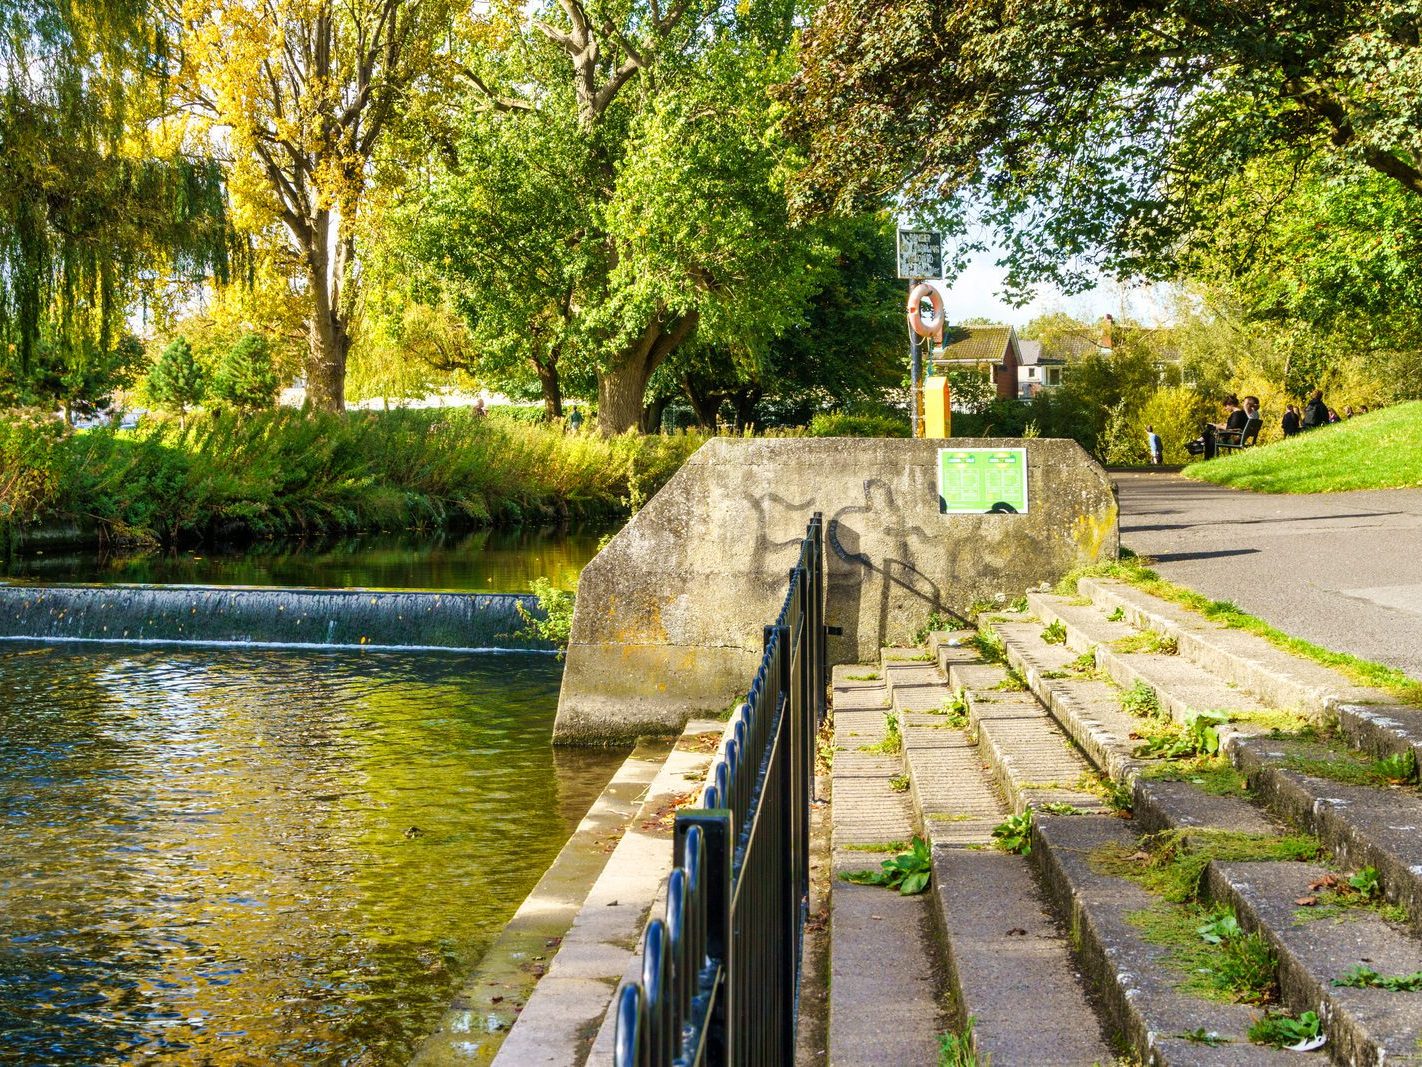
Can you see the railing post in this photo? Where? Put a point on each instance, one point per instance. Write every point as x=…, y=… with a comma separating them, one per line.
x=719, y=841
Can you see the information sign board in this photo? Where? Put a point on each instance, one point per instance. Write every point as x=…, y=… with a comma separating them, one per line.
x=920, y=254
x=973, y=481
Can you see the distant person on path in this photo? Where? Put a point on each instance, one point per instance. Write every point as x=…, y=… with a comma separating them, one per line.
x=575, y=420
x=1315, y=411
x=1156, y=446
x=1291, y=423
x=479, y=407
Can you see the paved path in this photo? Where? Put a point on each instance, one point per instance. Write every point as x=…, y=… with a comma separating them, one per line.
x=1343, y=570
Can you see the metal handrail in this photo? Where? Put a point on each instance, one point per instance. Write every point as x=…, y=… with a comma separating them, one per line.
x=721, y=971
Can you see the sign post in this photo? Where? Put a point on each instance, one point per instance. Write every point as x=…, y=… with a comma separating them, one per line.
x=920, y=256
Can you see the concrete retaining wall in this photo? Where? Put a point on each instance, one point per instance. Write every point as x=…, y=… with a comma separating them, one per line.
x=670, y=614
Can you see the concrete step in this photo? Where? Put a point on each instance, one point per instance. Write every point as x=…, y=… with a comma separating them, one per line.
x=1184, y=689
x=1371, y=719
x=1089, y=711
x=1364, y=1026
x=885, y=973
x=1032, y=761
x=868, y=810
x=1010, y=965
x=1136, y=983
x=1361, y=825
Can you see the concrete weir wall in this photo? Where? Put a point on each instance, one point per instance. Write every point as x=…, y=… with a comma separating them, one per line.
x=670, y=615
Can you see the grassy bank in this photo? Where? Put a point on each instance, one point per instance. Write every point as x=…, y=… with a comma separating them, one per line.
x=1136, y=570
x=1380, y=450
x=282, y=473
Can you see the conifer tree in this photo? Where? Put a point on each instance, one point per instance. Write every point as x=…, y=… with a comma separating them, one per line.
x=247, y=379
x=176, y=381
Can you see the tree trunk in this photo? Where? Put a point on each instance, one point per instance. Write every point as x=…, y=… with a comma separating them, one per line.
x=552, y=388
x=653, y=412
x=621, y=386
x=744, y=401
x=329, y=340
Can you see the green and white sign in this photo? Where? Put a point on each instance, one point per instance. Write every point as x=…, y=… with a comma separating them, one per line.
x=973, y=481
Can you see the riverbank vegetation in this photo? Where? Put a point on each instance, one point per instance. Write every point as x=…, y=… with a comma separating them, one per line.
x=281, y=473
x=1379, y=450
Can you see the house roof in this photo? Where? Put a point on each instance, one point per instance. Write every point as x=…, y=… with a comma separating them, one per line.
x=975, y=344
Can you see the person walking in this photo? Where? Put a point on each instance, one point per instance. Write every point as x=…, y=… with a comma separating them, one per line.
x=1157, y=448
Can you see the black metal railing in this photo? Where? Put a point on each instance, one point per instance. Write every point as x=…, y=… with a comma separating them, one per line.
x=721, y=973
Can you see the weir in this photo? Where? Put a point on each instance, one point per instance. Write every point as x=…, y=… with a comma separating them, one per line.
x=296, y=617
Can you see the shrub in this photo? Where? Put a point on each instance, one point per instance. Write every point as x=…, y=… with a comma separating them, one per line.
x=176, y=381
x=827, y=424
x=247, y=379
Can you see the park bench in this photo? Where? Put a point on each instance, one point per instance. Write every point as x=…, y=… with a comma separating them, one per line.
x=1236, y=440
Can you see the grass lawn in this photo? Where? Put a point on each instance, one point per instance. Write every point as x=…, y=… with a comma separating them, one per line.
x=1379, y=450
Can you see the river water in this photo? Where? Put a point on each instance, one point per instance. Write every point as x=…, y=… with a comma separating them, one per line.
x=234, y=855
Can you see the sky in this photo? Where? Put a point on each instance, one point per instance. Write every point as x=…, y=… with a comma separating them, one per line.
x=974, y=294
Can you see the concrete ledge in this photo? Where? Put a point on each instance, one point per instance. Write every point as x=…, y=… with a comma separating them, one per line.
x=571, y=1002
x=670, y=616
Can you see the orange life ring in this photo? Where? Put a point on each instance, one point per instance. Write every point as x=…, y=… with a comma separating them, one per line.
x=933, y=326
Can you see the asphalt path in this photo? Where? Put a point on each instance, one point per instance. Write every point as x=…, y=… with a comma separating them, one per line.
x=1343, y=570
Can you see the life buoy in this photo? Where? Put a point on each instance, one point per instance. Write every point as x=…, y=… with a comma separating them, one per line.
x=932, y=324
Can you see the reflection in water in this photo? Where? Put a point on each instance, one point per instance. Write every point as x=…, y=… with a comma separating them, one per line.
x=488, y=561
x=256, y=856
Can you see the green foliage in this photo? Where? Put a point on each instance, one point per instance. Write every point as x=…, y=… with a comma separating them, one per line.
x=279, y=473
x=899, y=783
x=935, y=622
x=909, y=872
x=1055, y=634
x=176, y=381
x=1338, y=763
x=1147, y=641
x=955, y=710
x=1399, y=768
x=1172, y=863
x=1141, y=700
x=553, y=621
x=1117, y=614
x=844, y=425
x=957, y=1050
x=246, y=378
x=1284, y=1031
x=1014, y=834
x=1364, y=977
x=1199, y=736
x=893, y=742
x=1214, y=776
x=1211, y=951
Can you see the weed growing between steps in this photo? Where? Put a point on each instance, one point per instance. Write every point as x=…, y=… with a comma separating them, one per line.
x=1361, y=977
x=1119, y=795
x=1215, y=776
x=989, y=645
x=1198, y=736
x=1141, y=701
x=956, y=1050
x=1117, y=614
x=954, y=711
x=1338, y=897
x=893, y=742
x=1147, y=641
x=936, y=621
x=1287, y=1031
x=824, y=745
x=1215, y=957
x=877, y=846
x=1172, y=863
x=867, y=676
x=1055, y=634
x=899, y=783
x=1013, y=682
x=1014, y=834
x=1135, y=571
x=908, y=872
x=1338, y=763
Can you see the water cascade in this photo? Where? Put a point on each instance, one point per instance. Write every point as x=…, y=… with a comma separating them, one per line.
x=310, y=617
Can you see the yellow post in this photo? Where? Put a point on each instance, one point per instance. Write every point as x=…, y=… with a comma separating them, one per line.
x=937, y=414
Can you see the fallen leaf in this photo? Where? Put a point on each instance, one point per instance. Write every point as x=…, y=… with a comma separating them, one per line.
x=1306, y=902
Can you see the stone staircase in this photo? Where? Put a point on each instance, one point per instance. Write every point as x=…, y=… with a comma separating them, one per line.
x=1219, y=832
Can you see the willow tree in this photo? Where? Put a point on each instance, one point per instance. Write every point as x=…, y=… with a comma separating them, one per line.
x=619, y=190
x=97, y=194
x=307, y=93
